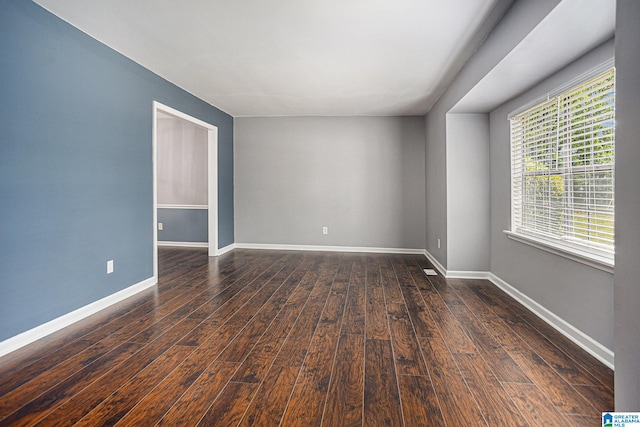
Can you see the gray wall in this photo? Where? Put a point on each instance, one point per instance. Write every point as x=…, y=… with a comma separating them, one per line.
x=579, y=294
x=363, y=177
x=468, y=194
x=626, y=308
x=182, y=180
x=517, y=23
x=436, y=184
x=182, y=163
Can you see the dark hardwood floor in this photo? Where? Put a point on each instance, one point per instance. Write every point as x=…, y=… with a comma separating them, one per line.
x=268, y=338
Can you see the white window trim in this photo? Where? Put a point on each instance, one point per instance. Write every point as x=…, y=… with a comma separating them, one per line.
x=607, y=65
x=601, y=263
x=604, y=263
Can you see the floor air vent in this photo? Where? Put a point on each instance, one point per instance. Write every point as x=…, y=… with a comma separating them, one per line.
x=430, y=272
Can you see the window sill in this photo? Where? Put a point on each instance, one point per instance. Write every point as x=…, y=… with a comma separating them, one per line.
x=594, y=261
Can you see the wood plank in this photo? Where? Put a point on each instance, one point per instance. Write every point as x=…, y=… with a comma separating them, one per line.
x=381, y=395
x=25, y=364
x=152, y=407
x=132, y=323
x=67, y=387
x=294, y=350
x=345, y=395
x=194, y=403
x=256, y=365
x=201, y=332
x=270, y=401
x=259, y=360
x=454, y=335
x=437, y=282
x=558, y=391
x=487, y=316
x=287, y=281
x=563, y=364
x=420, y=405
x=230, y=406
x=392, y=292
x=123, y=399
x=19, y=392
x=355, y=311
x=495, y=404
x=307, y=399
x=212, y=347
x=406, y=349
x=421, y=319
x=583, y=420
x=83, y=402
x=448, y=326
x=377, y=326
x=499, y=361
x=19, y=397
x=237, y=321
x=596, y=369
x=227, y=302
x=534, y=405
x=159, y=327
x=343, y=274
x=284, y=317
x=458, y=404
x=599, y=397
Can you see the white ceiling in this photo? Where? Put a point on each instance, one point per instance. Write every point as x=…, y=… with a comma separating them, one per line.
x=294, y=57
x=559, y=39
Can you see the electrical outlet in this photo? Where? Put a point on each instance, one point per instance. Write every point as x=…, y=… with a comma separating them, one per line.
x=325, y=230
x=160, y=226
x=110, y=266
x=438, y=243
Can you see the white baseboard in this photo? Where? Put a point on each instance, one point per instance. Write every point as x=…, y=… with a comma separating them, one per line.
x=590, y=345
x=226, y=249
x=583, y=340
x=453, y=274
x=436, y=264
x=27, y=337
x=196, y=245
x=184, y=244
x=328, y=248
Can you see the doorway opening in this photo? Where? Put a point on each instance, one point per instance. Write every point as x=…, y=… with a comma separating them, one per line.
x=209, y=174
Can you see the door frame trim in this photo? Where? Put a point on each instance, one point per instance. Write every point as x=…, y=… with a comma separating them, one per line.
x=212, y=166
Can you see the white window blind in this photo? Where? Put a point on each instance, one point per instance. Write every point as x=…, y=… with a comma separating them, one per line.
x=562, y=169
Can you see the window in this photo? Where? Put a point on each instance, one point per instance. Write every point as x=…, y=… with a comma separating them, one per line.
x=562, y=170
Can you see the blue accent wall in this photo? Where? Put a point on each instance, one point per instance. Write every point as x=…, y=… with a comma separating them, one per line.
x=183, y=225
x=76, y=183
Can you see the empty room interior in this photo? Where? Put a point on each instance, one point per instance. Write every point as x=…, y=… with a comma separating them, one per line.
x=336, y=213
